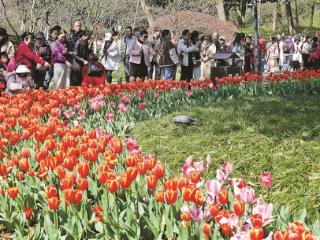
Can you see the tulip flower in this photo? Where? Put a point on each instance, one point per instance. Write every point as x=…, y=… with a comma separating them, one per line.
x=159, y=196
x=158, y=171
x=13, y=192
x=256, y=234
x=152, y=181
x=223, y=196
x=196, y=214
x=185, y=216
x=206, y=229
x=28, y=213
x=266, y=180
x=112, y=185
x=239, y=207
x=83, y=169
x=54, y=203
x=171, y=196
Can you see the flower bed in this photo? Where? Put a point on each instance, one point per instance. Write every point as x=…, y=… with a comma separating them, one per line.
x=69, y=170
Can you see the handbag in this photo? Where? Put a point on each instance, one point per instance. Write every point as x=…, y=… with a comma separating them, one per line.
x=94, y=70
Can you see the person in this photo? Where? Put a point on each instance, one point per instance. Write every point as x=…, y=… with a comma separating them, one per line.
x=19, y=81
x=62, y=67
x=262, y=54
x=25, y=54
x=154, y=71
x=41, y=74
x=111, y=54
x=129, y=38
x=237, y=47
x=305, y=52
x=281, y=53
x=248, y=54
x=207, y=51
x=223, y=45
x=71, y=41
x=272, y=56
x=215, y=40
x=5, y=44
x=167, y=56
x=315, y=41
x=196, y=58
x=185, y=50
x=75, y=34
x=139, y=52
x=296, y=57
x=93, y=73
x=4, y=60
x=53, y=34
x=288, y=50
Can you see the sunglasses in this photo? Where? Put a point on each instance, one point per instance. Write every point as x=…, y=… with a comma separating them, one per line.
x=145, y=37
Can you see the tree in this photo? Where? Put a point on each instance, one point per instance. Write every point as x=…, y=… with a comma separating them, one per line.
x=288, y=10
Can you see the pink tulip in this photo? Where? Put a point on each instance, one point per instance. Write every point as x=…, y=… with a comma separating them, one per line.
x=109, y=117
x=126, y=99
x=142, y=106
x=130, y=144
x=264, y=209
x=68, y=113
x=221, y=176
x=213, y=187
x=188, y=93
x=247, y=194
x=156, y=95
x=227, y=167
x=196, y=213
x=122, y=107
x=200, y=167
x=266, y=179
x=82, y=114
x=141, y=94
x=112, y=104
x=209, y=160
x=77, y=107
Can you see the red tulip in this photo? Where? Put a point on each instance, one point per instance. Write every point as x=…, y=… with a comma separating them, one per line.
x=13, y=192
x=83, y=169
x=51, y=191
x=256, y=220
x=256, y=234
x=54, y=203
x=124, y=182
x=239, y=207
x=279, y=235
x=28, y=213
x=24, y=164
x=170, y=183
x=82, y=184
x=25, y=153
x=132, y=173
x=185, y=216
x=171, y=196
x=159, y=196
x=223, y=196
x=214, y=209
x=226, y=229
x=152, y=181
x=206, y=229
x=112, y=185
x=195, y=177
x=158, y=171
x=116, y=145
x=77, y=197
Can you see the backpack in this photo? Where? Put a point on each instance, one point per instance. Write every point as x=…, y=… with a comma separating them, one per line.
x=286, y=48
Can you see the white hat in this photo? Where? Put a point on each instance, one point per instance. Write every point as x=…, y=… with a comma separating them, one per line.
x=108, y=36
x=22, y=69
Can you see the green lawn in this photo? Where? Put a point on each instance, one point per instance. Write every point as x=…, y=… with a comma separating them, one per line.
x=257, y=134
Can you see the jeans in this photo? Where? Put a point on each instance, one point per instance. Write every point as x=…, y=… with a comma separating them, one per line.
x=197, y=73
x=168, y=73
x=154, y=69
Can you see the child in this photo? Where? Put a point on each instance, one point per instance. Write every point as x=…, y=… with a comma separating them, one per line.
x=4, y=59
x=93, y=73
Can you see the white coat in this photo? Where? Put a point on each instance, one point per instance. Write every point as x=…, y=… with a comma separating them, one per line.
x=111, y=60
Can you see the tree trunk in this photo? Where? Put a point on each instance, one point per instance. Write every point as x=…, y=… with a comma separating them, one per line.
x=291, y=27
x=296, y=13
x=146, y=11
x=220, y=10
x=312, y=14
x=7, y=18
x=238, y=16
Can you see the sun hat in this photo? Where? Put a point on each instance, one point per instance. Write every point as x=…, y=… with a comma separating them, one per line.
x=108, y=36
x=22, y=69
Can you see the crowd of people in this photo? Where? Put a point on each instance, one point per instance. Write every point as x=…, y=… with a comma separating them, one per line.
x=73, y=59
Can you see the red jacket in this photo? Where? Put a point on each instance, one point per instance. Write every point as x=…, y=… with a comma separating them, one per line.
x=24, y=55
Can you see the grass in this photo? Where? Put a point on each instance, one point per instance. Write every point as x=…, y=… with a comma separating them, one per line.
x=257, y=134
